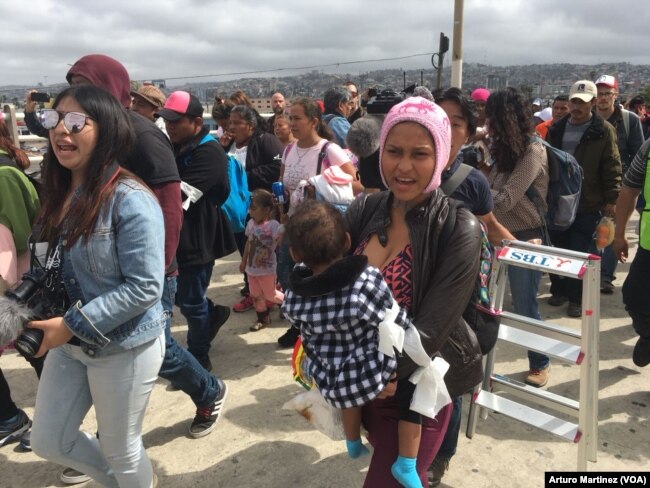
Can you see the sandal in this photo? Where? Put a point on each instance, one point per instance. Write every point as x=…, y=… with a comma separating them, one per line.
x=259, y=325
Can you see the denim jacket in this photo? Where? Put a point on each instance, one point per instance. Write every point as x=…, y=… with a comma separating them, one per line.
x=115, y=278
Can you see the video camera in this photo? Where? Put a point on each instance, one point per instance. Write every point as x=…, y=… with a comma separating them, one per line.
x=380, y=102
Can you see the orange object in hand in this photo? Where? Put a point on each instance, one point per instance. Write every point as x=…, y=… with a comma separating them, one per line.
x=604, y=234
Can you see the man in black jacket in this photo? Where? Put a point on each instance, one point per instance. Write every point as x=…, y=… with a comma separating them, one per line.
x=206, y=235
x=592, y=140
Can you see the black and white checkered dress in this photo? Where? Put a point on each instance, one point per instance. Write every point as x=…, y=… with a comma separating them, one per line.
x=338, y=313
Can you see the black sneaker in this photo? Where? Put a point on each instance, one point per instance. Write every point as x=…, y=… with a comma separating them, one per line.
x=574, y=310
x=607, y=288
x=13, y=429
x=641, y=353
x=289, y=338
x=557, y=300
x=436, y=471
x=207, y=417
x=218, y=316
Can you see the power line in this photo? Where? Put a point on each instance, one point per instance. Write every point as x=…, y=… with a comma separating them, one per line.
x=239, y=73
x=274, y=70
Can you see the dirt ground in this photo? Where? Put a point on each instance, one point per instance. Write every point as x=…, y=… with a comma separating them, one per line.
x=257, y=444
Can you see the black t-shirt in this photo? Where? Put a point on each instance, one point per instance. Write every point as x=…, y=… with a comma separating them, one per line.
x=152, y=158
x=474, y=191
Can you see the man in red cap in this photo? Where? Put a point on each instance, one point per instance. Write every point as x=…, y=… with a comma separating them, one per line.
x=205, y=235
x=629, y=136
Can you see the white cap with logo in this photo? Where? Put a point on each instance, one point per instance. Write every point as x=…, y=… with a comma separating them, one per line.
x=585, y=90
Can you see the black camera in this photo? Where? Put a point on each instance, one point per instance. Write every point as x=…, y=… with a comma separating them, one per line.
x=381, y=102
x=26, y=302
x=472, y=156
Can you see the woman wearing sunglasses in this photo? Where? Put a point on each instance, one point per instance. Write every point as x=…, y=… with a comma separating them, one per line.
x=103, y=227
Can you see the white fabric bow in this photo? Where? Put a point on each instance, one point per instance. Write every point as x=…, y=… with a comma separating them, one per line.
x=391, y=335
x=430, y=390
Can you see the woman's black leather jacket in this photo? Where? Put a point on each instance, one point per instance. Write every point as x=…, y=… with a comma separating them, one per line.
x=443, y=278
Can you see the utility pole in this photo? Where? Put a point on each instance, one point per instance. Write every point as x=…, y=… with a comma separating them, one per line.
x=457, y=48
x=443, y=47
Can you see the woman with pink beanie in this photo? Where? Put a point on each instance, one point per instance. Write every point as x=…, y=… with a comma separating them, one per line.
x=428, y=253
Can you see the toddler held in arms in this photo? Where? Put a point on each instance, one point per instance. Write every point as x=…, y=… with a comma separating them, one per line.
x=350, y=325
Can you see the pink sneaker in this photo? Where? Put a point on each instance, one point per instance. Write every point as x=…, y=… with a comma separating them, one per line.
x=243, y=305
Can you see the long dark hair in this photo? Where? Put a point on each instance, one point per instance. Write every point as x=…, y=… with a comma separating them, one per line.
x=510, y=126
x=312, y=110
x=14, y=152
x=115, y=138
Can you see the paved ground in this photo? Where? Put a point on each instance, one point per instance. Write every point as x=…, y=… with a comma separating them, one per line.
x=257, y=444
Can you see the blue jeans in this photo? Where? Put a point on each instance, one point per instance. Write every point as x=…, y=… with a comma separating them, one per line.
x=179, y=366
x=608, y=262
x=118, y=385
x=193, y=283
x=578, y=237
x=450, y=442
x=524, y=284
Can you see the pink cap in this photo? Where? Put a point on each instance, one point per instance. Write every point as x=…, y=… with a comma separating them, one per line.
x=480, y=95
x=180, y=103
x=433, y=119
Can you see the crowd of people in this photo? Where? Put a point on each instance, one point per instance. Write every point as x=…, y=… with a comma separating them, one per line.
x=350, y=233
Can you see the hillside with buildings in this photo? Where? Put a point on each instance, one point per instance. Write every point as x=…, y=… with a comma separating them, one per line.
x=536, y=80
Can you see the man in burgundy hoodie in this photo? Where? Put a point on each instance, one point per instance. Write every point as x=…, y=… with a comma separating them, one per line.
x=153, y=161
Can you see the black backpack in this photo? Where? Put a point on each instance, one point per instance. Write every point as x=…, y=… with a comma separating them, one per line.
x=479, y=314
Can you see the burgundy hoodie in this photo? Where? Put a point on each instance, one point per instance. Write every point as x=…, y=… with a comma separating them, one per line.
x=104, y=72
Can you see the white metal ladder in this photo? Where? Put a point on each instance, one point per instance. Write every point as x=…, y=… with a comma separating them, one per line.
x=499, y=393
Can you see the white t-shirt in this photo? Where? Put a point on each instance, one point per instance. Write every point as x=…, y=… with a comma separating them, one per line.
x=239, y=154
x=301, y=163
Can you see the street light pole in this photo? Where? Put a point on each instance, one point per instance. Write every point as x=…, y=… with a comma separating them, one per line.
x=457, y=47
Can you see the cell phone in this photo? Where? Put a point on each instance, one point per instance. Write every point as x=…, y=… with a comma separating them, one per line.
x=40, y=97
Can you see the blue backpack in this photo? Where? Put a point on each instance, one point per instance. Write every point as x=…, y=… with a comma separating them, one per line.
x=564, y=187
x=236, y=205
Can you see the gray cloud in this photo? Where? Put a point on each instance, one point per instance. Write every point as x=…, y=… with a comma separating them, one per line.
x=167, y=38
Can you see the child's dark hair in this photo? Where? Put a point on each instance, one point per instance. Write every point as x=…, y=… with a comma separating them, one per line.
x=264, y=199
x=317, y=233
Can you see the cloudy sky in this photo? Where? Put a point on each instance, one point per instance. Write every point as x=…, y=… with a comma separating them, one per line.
x=181, y=38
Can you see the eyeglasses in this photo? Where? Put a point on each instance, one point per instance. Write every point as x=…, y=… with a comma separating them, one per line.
x=605, y=94
x=73, y=122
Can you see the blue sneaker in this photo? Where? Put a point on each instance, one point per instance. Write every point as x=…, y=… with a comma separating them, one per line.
x=13, y=429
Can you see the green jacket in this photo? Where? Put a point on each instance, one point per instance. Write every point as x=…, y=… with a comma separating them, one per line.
x=19, y=205
x=597, y=153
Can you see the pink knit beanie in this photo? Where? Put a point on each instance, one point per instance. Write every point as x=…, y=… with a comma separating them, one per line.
x=433, y=119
